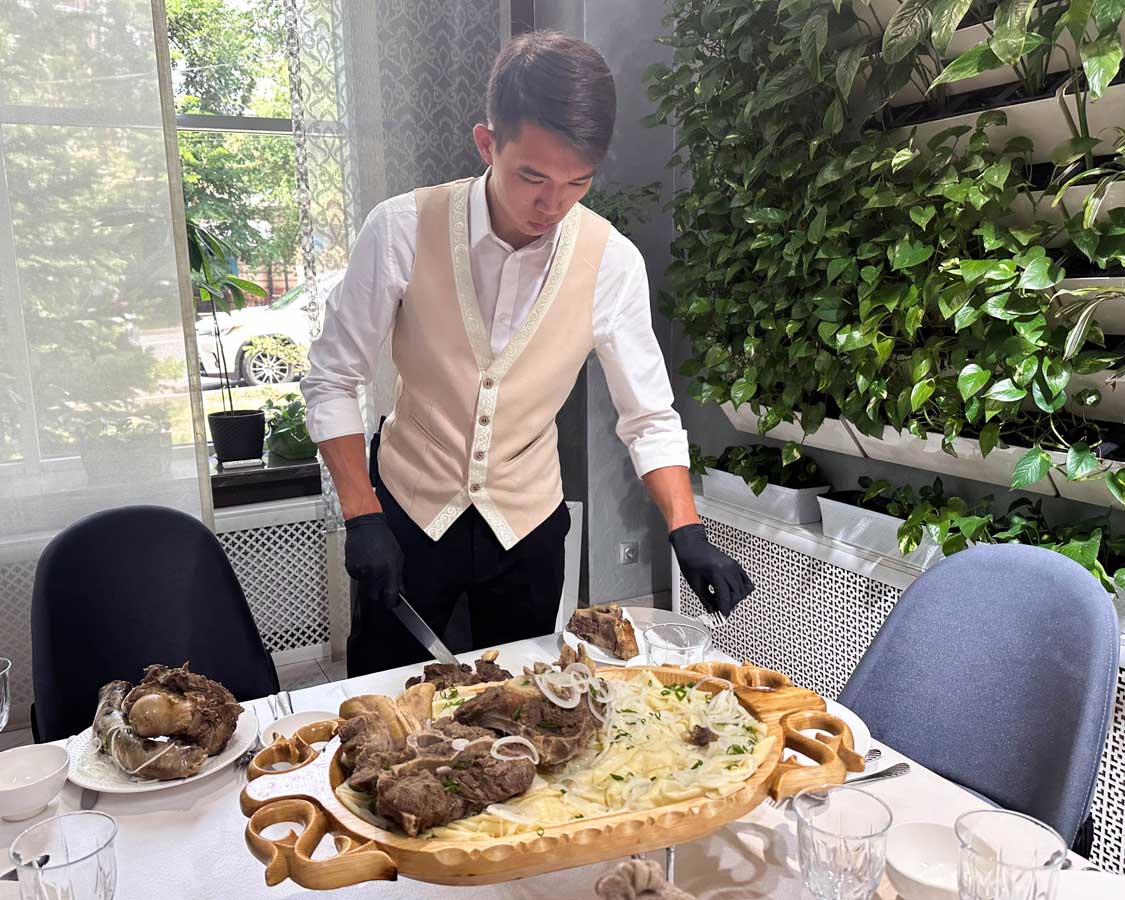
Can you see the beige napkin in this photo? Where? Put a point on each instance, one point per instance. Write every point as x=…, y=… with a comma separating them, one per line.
x=638, y=879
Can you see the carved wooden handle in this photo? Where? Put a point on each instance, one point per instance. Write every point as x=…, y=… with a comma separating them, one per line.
x=272, y=797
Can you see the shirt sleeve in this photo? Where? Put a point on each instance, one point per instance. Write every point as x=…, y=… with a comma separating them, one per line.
x=633, y=362
x=358, y=317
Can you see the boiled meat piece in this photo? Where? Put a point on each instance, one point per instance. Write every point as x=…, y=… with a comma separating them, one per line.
x=447, y=675
x=606, y=628
x=175, y=702
x=443, y=786
x=136, y=755
x=517, y=707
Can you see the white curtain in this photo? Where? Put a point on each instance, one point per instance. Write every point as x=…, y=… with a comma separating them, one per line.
x=96, y=402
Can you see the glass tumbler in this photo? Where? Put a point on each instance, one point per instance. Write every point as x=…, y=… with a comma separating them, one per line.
x=1007, y=856
x=841, y=841
x=69, y=856
x=674, y=644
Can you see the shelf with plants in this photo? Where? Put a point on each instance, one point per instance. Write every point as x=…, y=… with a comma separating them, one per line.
x=763, y=480
x=827, y=268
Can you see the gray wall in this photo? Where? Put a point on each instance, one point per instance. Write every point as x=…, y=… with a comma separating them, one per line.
x=618, y=506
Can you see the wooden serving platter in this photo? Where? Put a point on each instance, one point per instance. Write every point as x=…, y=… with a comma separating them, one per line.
x=305, y=794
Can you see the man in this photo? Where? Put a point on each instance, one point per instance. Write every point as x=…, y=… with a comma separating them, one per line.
x=494, y=291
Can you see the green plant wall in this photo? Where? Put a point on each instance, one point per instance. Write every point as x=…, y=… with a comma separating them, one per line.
x=828, y=267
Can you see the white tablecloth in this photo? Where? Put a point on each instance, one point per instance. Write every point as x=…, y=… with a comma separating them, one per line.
x=187, y=842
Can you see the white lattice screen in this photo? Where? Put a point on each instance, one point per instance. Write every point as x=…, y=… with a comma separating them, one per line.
x=282, y=572
x=813, y=620
x=16, y=581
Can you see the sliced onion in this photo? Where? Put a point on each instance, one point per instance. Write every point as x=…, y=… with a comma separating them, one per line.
x=593, y=709
x=552, y=682
x=502, y=811
x=599, y=689
x=459, y=744
x=532, y=753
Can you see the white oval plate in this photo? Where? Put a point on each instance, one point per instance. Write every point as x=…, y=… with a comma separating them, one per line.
x=90, y=768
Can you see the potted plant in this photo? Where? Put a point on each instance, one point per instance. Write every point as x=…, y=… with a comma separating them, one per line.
x=873, y=517
x=287, y=435
x=765, y=480
x=236, y=433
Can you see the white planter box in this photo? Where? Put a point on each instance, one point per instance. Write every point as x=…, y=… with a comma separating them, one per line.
x=907, y=450
x=1110, y=314
x=1093, y=492
x=1041, y=120
x=793, y=506
x=832, y=434
x=873, y=531
x=1111, y=408
x=1030, y=207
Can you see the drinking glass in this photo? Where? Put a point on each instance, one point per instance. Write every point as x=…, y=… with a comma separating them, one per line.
x=841, y=841
x=70, y=856
x=674, y=644
x=1007, y=856
x=5, y=692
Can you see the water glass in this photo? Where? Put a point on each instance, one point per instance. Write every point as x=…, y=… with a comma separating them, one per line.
x=841, y=841
x=1007, y=856
x=68, y=856
x=5, y=691
x=676, y=645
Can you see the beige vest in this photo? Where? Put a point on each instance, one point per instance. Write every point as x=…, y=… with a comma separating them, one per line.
x=469, y=427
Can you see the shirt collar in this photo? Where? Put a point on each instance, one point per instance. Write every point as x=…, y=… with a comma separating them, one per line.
x=480, y=223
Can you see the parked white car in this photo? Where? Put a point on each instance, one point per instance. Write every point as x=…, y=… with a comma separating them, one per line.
x=286, y=318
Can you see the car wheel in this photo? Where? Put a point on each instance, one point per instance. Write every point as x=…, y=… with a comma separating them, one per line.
x=265, y=368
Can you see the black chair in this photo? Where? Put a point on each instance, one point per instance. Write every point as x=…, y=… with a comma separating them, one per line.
x=123, y=589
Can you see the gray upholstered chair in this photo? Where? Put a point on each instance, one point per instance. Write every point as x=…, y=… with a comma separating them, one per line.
x=997, y=669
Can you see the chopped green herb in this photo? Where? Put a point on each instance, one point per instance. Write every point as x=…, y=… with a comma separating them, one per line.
x=616, y=777
x=540, y=832
x=562, y=790
x=550, y=726
x=698, y=763
x=736, y=748
x=633, y=711
x=517, y=713
x=578, y=816
x=451, y=786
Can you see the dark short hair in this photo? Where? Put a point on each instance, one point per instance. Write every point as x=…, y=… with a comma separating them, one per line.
x=555, y=81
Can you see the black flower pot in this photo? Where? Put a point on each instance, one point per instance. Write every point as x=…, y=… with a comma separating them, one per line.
x=238, y=434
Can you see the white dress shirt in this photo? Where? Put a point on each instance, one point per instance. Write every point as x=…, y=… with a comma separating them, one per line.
x=361, y=310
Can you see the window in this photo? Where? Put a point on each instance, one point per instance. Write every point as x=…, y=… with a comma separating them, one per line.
x=230, y=76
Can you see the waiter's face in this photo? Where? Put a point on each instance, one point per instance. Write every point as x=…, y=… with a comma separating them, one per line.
x=537, y=177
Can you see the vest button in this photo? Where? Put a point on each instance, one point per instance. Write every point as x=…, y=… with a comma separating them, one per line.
x=489, y=384
x=478, y=455
x=484, y=420
x=474, y=487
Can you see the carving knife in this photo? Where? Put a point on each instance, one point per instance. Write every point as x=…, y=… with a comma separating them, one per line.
x=417, y=626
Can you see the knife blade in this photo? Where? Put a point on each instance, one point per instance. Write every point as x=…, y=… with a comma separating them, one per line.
x=417, y=626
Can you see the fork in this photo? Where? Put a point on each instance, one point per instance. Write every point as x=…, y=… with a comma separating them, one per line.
x=895, y=771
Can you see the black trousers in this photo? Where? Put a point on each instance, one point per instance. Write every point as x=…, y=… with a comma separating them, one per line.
x=512, y=594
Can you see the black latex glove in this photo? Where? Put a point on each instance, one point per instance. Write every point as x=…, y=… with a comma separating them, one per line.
x=718, y=580
x=373, y=558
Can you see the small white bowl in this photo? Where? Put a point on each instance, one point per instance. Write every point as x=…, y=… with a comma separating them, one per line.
x=30, y=778
x=287, y=726
x=922, y=861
